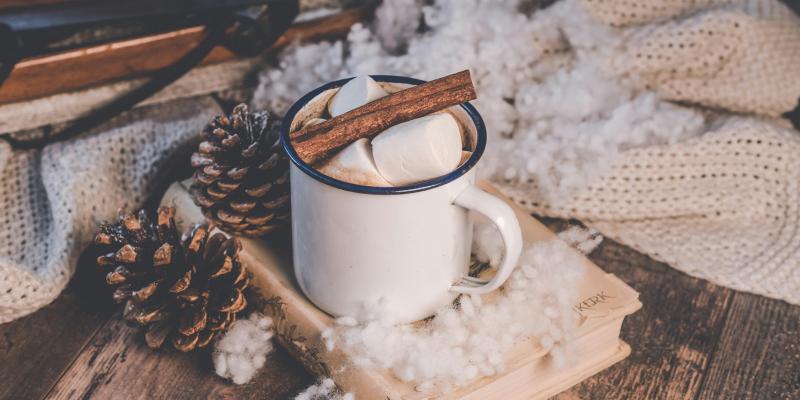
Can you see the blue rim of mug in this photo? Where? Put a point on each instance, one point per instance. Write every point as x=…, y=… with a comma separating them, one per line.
x=480, y=130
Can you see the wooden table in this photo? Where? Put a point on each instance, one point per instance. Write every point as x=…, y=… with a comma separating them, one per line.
x=692, y=339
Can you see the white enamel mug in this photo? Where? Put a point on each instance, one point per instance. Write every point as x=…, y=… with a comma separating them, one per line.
x=403, y=249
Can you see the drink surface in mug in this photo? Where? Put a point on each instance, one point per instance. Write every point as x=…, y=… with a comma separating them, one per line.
x=404, y=249
x=410, y=152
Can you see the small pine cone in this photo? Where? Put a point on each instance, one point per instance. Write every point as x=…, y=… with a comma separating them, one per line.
x=241, y=173
x=184, y=289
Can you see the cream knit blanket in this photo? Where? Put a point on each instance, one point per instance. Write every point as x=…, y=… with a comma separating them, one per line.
x=724, y=206
x=51, y=201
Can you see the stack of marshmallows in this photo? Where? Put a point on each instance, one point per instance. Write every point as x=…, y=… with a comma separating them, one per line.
x=404, y=154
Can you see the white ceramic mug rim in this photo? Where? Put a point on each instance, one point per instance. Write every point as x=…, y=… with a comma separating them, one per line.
x=472, y=112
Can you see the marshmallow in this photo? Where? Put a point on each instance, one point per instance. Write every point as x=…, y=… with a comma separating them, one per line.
x=312, y=121
x=355, y=93
x=418, y=150
x=355, y=164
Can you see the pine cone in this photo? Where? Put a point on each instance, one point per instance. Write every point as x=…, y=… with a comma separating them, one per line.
x=241, y=173
x=185, y=290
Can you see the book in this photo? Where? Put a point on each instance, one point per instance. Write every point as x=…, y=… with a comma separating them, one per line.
x=602, y=303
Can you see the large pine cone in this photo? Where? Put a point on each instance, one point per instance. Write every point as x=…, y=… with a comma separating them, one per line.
x=241, y=173
x=185, y=290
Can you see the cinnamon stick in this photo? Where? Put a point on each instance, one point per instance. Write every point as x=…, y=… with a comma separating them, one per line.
x=315, y=143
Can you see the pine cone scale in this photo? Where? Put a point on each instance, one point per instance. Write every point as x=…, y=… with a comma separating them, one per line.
x=193, y=322
x=131, y=223
x=146, y=292
x=213, y=171
x=142, y=314
x=241, y=279
x=225, y=268
x=191, y=295
x=117, y=276
x=243, y=206
x=210, y=148
x=258, y=191
x=182, y=283
x=276, y=204
x=201, y=160
x=257, y=219
x=228, y=185
x=231, y=141
x=163, y=255
x=126, y=254
x=202, y=200
x=122, y=293
x=196, y=239
x=185, y=343
x=230, y=217
x=107, y=259
x=238, y=173
x=213, y=245
x=102, y=238
x=220, y=323
x=204, y=178
x=216, y=193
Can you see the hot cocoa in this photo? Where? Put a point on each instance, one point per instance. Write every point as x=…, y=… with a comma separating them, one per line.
x=404, y=154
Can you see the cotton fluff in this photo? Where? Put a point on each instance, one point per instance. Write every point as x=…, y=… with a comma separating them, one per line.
x=470, y=340
x=396, y=22
x=243, y=350
x=583, y=239
x=324, y=390
x=558, y=106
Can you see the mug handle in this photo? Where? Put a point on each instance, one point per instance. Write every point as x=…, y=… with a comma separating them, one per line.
x=503, y=216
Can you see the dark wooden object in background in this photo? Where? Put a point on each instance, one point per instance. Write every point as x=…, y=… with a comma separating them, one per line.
x=4, y=4
x=83, y=68
x=691, y=340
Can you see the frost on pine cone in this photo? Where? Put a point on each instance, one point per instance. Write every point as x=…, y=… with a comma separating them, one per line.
x=241, y=173
x=184, y=289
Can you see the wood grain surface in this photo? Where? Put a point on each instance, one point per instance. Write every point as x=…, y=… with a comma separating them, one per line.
x=691, y=340
x=116, y=364
x=673, y=336
x=758, y=354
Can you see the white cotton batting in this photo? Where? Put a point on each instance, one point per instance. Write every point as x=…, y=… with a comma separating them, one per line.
x=324, y=390
x=243, y=350
x=470, y=341
x=396, y=23
x=583, y=239
x=487, y=245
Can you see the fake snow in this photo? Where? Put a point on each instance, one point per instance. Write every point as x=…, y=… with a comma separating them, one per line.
x=583, y=239
x=552, y=88
x=325, y=390
x=470, y=341
x=243, y=350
